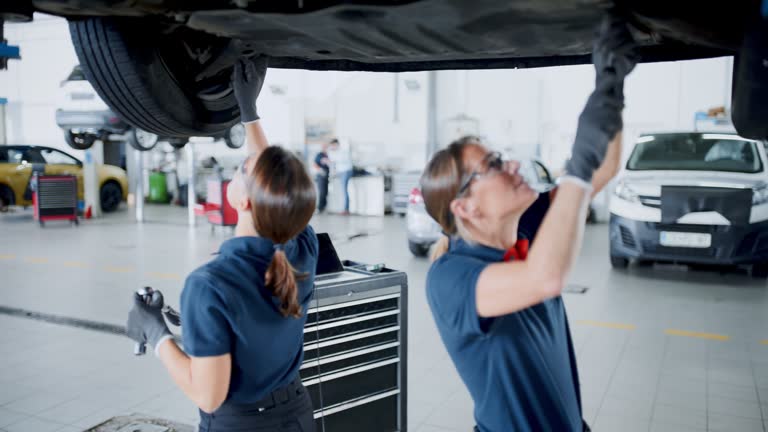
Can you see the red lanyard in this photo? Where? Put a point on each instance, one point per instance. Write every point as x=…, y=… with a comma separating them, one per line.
x=519, y=251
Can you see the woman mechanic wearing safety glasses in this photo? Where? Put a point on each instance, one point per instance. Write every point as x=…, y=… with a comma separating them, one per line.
x=496, y=304
x=244, y=312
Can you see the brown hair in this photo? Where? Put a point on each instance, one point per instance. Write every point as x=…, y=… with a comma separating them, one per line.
x=440, y=184
x=282, y=198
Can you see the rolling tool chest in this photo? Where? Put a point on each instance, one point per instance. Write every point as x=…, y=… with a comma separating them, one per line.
x=55, y=198
x=355, y=346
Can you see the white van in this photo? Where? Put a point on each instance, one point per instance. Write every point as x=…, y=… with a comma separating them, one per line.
x=692, y=197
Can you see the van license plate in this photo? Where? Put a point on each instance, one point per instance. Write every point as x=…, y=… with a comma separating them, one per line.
x=682, y=239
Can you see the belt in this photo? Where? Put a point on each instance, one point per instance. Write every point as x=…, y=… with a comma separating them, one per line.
x=280, y=396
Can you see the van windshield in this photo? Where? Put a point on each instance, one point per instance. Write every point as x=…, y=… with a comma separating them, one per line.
x=695, y=152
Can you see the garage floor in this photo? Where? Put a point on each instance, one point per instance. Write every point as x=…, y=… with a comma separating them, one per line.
x=659, y=348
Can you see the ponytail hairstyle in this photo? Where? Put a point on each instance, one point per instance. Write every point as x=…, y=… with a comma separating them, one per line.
x=282, y=198
x=440, y=184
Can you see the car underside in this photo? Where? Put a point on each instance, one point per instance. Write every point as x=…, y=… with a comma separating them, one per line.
x=184, y=50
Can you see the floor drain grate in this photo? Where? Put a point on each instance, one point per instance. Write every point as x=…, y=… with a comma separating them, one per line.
x=140, y=423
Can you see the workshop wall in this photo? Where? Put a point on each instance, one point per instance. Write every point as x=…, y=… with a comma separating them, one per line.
x=32, y=84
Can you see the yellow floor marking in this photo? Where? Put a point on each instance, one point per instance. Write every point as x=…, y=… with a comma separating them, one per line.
x=764, y=342
x=170, y=276
x=7, y=257
x=36, y=260
x=618, y=326
x=112, y=269
x=686, y=333
x=77, y=264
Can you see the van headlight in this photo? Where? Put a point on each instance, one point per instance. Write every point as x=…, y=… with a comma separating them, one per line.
x=760, y=194
x=623, y=191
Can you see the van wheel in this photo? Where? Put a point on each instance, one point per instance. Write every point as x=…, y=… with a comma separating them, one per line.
x=79, y=141
x=142, y=140
x=618, y=262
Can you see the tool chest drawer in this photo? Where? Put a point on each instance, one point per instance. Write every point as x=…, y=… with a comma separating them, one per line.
x=355, y=362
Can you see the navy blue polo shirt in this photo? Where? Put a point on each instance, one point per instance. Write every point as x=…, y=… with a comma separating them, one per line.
x=225, y=308
x=520, y=368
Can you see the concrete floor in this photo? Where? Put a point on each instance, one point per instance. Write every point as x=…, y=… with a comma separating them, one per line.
x=659, y=348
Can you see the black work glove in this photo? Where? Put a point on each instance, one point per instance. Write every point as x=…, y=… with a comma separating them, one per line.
x=614, y=58
x=172, y=315
x=145, y=321
x=247, y=80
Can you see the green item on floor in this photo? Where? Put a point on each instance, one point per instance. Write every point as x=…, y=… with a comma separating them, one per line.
x=158, y=188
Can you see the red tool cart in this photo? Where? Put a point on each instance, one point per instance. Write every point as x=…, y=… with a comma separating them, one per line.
x=217, y=208
x=55, y=198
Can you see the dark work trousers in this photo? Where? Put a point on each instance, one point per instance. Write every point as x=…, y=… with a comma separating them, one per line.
x=322, y=191
x=288, y=409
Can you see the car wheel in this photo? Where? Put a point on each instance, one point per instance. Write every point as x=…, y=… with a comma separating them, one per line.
x=166, y=79
x=759, y=270
x=618, y=262
x=7, y=197
x=142, y=140
x=178, y=143
x=79, y=141
x=235, y=136
x=418, y=249
x=111, y=195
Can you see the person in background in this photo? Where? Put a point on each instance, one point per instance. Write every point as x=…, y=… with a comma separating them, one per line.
x=342, y=163
x=323, y=167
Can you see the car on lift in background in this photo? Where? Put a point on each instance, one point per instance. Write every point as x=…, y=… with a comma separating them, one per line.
x=165, y=65
x=85, y=118
x=19, y=162
x=692, y=198
x=423, y=231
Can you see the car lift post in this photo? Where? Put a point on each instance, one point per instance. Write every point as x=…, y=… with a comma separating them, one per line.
x=139, y=184
x=94, y=156
x=191, y=174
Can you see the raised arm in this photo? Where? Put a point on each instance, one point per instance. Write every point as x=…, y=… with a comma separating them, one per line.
x=509, y=287
x=247, y=81
x=609, y=167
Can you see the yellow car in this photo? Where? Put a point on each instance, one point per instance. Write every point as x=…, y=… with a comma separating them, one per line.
x=18, y=162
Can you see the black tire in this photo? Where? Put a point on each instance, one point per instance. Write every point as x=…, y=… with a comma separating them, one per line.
x=235, y=136
x=142, y=140
x=178, y=143
x=418, y=249
x=7, y=197
x=145, y=71
x=79, y=141
x=759, y=270
x=110, y=195
x=618, y=262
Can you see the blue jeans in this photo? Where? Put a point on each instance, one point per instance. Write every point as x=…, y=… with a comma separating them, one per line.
x=345, y=176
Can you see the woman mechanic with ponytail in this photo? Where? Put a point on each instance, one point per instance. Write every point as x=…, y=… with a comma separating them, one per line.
x=496, y=303
x=243, y=313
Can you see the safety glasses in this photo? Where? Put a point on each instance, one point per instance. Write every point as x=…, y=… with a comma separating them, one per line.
x=492, y=163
